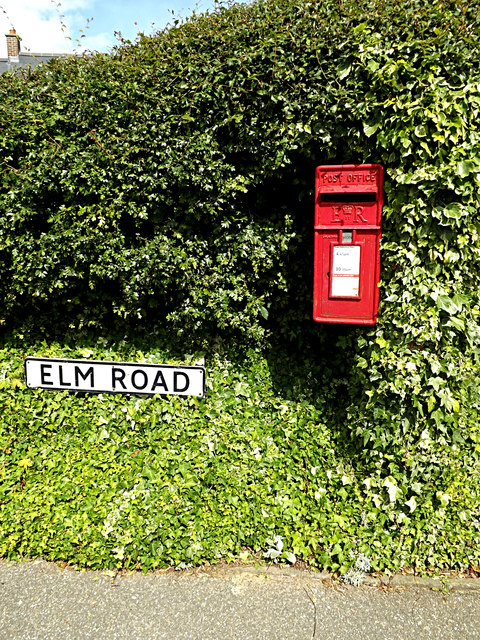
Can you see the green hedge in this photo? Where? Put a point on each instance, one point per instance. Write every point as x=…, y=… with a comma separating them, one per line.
x=167, y=187
x=172, y=181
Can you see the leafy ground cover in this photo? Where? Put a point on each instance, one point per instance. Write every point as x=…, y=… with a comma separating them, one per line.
x=261, y=465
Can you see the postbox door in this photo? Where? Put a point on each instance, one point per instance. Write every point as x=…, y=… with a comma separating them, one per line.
x=344, y=286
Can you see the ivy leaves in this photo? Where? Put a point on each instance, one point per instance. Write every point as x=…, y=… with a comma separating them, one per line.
x=153, y=184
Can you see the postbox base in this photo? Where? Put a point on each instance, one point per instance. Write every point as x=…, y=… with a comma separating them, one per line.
x=369, y=321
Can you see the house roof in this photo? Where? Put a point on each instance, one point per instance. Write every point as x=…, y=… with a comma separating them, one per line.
x=29, y=59
x=18, y=59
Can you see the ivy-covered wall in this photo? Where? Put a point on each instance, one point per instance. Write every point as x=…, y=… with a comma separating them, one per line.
x=168, y=186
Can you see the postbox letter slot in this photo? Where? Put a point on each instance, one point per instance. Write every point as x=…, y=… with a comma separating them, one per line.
x=349, y=196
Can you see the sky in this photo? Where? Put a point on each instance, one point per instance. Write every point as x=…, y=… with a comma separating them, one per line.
x=58, y=26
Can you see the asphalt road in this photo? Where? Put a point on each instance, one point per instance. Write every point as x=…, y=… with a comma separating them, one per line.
x=40, y=601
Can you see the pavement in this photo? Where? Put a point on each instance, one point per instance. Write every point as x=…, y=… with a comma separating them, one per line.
x=39, y=600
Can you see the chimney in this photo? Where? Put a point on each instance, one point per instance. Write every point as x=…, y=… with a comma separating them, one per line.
x=13, y=44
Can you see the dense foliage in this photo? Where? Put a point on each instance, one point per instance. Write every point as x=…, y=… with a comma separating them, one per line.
x=168, y=186
x=143, y=482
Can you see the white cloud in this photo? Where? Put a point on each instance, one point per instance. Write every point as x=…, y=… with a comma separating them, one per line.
x=98, y=42
x=47, y=27
x=57, y=26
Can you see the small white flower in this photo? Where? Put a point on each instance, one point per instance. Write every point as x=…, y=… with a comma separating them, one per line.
x=393, y=489
x=412, y=504
x=257, y=453
x=119, y=552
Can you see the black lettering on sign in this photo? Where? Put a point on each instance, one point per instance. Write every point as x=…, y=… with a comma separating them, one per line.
x=80, y=374
x=118, y=375
x=44, y=373
x=142, y=384
x=62, y=381
x=175, y=381
x=159, y=382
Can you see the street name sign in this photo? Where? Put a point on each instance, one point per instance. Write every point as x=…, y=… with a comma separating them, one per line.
x=96, y=376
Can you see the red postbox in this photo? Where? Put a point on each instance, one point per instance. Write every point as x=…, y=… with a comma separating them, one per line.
x=348, y=210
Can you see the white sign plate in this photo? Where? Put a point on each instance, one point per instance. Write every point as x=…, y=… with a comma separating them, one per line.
x=93, y=376
x=345, y=271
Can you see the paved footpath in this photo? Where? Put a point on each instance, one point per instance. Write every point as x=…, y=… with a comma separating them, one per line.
x=40, y=601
